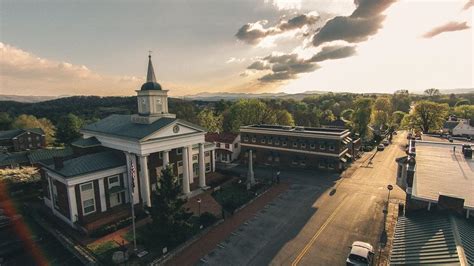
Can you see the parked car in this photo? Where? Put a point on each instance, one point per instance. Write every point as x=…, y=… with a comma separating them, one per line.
x=385, y=142
x=381, y=147
x=361, y=254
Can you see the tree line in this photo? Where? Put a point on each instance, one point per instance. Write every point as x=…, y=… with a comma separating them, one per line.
x=364, y=114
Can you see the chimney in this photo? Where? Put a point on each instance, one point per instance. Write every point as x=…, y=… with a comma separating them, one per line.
x=58, y=162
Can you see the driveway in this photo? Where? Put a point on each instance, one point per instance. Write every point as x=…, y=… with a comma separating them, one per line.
x=318, y=218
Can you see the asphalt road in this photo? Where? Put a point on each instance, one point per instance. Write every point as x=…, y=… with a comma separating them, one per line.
x=318, y=218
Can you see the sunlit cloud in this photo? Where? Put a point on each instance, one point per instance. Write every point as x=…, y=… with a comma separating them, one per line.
x=469, y=4
x=285, y=4
x=448, y=27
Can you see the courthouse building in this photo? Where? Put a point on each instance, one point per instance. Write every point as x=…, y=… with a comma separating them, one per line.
x=93, y=184
x=299, y=147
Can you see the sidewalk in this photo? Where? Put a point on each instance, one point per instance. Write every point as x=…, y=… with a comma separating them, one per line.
x=192, y=254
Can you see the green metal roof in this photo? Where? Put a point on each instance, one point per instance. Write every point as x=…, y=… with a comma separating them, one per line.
x=90, y=163
x=85, y=143
x=46, y=155
x=122, y=125
x=9, y=134
x=13, y=158
x=428, y=238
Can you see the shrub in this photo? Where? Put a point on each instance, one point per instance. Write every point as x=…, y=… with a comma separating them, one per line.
x=206, y=219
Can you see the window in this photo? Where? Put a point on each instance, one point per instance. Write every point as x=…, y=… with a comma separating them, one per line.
x=294, y=162
x=179, y=151
x=88, y=206
x=38, y=144
x=284, y=143
x=270, y=158
x=37, y=138
x=254, y=139
x=332, y=147
x=236, y=145
x=303, y=145
x=227, y=146
x=322, y=165
x=303, y=163
x=29, y=138
x=218, y=145
x=312, y=146
x=295, y=144
x=206, y=154
x=262, y=141
x=277, y=142
x=88, y=197
x=30, y=145
x=246, y=139
x=270, y=141
x=208, y=167
x=195, y=157
x=322, y=146
x=114, y=181
x=180, y=163
x=331, y=165
x=277, y=158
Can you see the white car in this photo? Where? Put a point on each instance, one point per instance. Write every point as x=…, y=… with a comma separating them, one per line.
x=361, y=254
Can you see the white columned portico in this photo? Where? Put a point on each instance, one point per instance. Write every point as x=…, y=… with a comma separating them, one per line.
x=186, y=151
x=202, y=167
x=166, y=157
x=72, y=203
x=145, y=180
x=103, y=205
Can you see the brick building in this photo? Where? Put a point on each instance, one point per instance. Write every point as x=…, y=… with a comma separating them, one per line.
x=299, y=147
x=22, y=139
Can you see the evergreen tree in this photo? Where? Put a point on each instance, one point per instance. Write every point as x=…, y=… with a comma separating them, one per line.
x=170, y=220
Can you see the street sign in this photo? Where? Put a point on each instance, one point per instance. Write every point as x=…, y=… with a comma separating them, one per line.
x=389, y=187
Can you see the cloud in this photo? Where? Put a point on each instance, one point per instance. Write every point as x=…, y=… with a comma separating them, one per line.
x=285, y=4
x=468, y=5
x=235, y=60
x=259, y=65
x=334, y=52
x=254, y=33
x=285, y=66
x=364, y=22
x=27, y=74
x=448, y=27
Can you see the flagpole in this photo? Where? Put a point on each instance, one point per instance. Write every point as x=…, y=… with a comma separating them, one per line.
x=131, y=186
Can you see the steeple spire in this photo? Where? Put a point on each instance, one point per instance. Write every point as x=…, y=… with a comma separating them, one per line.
x=150, y=76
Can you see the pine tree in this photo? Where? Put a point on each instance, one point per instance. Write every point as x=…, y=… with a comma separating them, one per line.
x=170, y=220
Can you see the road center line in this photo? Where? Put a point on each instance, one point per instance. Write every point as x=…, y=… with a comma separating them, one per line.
x=316, y=235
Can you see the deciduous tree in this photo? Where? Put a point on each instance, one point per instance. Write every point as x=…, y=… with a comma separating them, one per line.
x=428, y=116
x=68, y=128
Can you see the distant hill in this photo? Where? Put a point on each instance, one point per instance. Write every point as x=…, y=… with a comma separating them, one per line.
x=28, y=99
x=217, y=96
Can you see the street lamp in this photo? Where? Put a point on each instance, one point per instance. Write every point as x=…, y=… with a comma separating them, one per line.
x=389, y=187
x=199, y=206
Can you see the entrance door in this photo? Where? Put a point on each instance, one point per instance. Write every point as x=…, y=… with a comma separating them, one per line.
x=115, y=199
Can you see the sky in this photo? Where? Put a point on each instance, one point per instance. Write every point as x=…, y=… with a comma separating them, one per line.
x=100, y=47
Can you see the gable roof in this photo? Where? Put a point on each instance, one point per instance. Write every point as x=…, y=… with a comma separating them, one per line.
x=10, y=134
x=89, y=163
x=224, y=137
x=46, y=155
x=13, y=158
x=122, y=126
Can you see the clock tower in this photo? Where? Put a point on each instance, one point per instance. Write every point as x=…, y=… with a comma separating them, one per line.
x=152, y=99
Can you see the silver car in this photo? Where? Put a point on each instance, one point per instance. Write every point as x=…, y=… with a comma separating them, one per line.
x=361, y=254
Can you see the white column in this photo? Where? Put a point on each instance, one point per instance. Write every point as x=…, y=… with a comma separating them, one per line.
x=51, y=198
x=72, y=203
x=190, y=160
x=213, y=160
x=166, y=158
x=103, y=203
x=202, y=166
x=185, y=170
x=145, y=180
